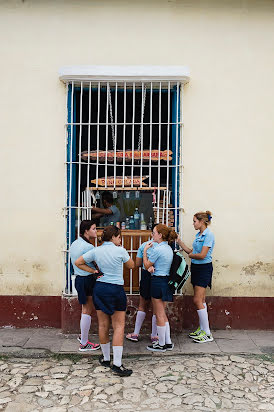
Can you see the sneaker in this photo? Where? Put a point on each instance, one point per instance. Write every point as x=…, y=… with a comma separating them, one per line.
x=154, y=339
x=169, y=346
x=121, y=370
x=203, y=338
x=132, y=337
x=103, y=362
x=156, y=347
x=79, y=338
x=196, y=333
x=89, y=347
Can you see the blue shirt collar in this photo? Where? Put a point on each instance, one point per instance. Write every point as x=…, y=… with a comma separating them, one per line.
x=202, y=234
x=107, y=243
x=164, y=242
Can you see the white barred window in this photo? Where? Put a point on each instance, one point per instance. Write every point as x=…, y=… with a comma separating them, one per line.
x=124, y=135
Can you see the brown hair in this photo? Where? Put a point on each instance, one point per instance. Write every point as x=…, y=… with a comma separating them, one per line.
x=204, y=216
x=110, y=231
x=86, y=225
x=167, y=233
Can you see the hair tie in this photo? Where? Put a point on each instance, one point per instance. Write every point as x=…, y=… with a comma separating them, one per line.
x=209, y=217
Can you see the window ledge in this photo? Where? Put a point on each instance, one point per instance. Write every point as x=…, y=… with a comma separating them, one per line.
x=130, y=73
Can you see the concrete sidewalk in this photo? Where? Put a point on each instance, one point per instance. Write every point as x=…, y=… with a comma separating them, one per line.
x=45, y=342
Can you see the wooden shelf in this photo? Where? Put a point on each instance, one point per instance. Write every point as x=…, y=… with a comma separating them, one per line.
x=127, y=189
x=129, y=232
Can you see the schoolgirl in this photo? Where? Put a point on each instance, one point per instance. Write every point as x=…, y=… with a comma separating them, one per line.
x=145, y=296
x=109, y=296
x=201, y=272
x=84, y=281
x=161, y=258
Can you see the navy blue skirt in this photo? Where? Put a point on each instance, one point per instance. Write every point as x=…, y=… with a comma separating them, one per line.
x=84, y=286
x=145, y=285
x=201, y=275
x=160, y=288
x=109, y=298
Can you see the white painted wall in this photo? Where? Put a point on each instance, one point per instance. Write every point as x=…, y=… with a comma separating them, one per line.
x=228, y=135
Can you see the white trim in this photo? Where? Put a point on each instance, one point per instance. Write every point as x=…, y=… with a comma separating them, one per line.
x=141, y=73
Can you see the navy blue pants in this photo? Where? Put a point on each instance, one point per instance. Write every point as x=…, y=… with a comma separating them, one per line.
x=145, y=285
x=201, y=275
x=160, y=288
x=84, y=286
x=109, y=298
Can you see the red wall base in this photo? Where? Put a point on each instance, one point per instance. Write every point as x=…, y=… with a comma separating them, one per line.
x=64, y=312
x=30, y=311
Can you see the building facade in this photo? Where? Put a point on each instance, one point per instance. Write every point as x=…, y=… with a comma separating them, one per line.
x=207, y=70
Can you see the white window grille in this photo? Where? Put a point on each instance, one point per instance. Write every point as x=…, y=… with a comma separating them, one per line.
x=124, y=136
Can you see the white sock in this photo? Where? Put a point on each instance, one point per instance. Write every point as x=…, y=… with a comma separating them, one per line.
x=167, y=336
x=139, y=321
x=117, y=355
x=85, y=326
x=153, y=326
x=106, y=350
x=199, y=318
x=203, y=317
x=161, y=330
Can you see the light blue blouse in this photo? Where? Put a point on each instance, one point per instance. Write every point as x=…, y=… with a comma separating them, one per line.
x=161, y=257
x=78, y=248
x=203, y=239
x=110, y=260
x=140, y=252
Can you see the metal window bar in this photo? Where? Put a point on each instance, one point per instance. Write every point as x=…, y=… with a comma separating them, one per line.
x=80, y=160
x=124, y=135
x=103, y=161
x=98, y=134
x=70, y=147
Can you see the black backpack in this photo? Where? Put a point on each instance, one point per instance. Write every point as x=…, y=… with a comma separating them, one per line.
x=179, y=272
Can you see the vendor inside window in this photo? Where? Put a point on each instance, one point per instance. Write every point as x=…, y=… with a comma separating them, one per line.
x=110, y=214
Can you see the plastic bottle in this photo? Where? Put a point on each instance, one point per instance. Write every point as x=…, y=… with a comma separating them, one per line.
x=143, y=223
x=123, y=225
x=131, y=223
x=150, y=223
x=137, y=219
x=127, y=223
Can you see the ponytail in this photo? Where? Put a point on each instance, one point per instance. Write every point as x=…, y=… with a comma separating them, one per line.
x=205, y=216
x=169, y=235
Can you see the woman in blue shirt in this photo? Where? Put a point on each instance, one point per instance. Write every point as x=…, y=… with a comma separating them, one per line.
x=145, y=296
x=161, y=258
x=109, y=297
x=84, y=281
x=201, y=272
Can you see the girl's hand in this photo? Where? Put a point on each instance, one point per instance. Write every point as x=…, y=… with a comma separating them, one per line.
x=151, y=269
x=148, y=245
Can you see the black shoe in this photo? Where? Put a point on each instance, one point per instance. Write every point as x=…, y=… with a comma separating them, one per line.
x=121, y=370
x=169, y=346
x=103, y=362
x=156, y=347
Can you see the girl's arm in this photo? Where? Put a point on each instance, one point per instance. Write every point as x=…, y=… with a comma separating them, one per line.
x=129, y=264
x=139, y=262
x=183, y=246
x=201, y=255
x=81, y=264
x=147, y=263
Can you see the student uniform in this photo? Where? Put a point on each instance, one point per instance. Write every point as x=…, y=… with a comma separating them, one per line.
x=202, y=269
x=145, y=282
x=161, y=257
x=108, y=293
x=84, y=281
x=114, y=217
